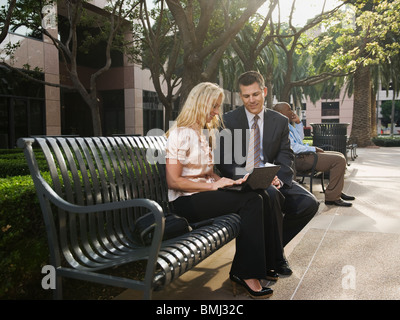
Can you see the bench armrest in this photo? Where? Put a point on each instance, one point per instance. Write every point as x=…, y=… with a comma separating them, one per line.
x=45, y=188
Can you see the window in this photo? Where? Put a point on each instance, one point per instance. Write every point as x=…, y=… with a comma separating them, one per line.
x=91, y=51
x=387, y=87
x=76, y=118
x=113, y=111
x=330, y=120
x=153, y=113
x=330, y=109
x=22, y=107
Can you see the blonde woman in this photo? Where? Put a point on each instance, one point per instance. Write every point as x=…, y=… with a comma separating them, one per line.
x=193, y=187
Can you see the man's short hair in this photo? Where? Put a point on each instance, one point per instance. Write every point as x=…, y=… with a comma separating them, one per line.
x=279, y=106
x=249, y=77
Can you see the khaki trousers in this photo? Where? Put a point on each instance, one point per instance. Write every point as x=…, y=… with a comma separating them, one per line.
x=331, y=161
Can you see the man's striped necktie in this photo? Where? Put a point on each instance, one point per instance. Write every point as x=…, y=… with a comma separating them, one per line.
x=254, y=154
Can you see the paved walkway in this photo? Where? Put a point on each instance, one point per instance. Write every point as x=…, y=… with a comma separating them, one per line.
x=343, y=253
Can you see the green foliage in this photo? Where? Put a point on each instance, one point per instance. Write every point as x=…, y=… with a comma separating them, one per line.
x=23, y=246
x=308, y=140
x=364, y=41
x=387, y=141
x=387, y=112
x=13, y=167
x=13, y=163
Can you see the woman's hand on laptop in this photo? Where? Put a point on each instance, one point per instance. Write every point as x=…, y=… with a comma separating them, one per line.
x=241, y=180
x=222, y=182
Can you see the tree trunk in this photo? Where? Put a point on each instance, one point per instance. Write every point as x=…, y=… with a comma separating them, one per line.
x=374, y=132
x=269, y=85
x=285, y=93
x=361, y=126
x=96, y=119
x=191, y=76
x=168, y=116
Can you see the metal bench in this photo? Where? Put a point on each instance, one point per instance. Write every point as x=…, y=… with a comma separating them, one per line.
x=352, y=148
x=311, y=173
x=99, y=187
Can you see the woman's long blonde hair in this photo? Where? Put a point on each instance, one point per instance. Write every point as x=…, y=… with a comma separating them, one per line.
x=197, y=107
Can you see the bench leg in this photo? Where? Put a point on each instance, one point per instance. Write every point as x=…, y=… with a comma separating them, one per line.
x=57, y=293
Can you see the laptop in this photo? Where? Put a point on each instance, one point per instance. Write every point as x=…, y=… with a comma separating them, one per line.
x=260, y=178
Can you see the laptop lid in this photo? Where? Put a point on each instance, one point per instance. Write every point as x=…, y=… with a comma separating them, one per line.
x=259, y=178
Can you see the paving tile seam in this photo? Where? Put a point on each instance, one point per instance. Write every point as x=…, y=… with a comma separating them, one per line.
x=312, y=259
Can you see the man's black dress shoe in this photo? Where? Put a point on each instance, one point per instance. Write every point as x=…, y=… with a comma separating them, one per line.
x=339, y=203
x=284, y=269
x=272, y=275
x=346, y=197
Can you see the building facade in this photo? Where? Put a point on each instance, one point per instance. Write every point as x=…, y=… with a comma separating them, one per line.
x=337, y=110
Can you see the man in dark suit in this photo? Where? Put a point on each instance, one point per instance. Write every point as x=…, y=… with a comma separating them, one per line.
x=299, y=206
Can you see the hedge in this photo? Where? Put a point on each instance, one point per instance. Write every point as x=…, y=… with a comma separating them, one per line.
x=23, y=242
x=13, y=162
x=386, y=141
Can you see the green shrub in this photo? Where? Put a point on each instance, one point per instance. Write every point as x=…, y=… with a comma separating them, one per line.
x=23, y=242
x=13, y=167
x=13, y=163
x=386, y=141
x=9, y=151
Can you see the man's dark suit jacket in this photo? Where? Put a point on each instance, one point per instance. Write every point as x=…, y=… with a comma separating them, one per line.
x=276, y=143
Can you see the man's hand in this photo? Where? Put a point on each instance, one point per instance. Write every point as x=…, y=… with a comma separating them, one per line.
x=295, y=118
x=277, y=182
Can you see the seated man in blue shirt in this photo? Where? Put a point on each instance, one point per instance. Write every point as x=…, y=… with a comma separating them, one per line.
x=331, y=161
